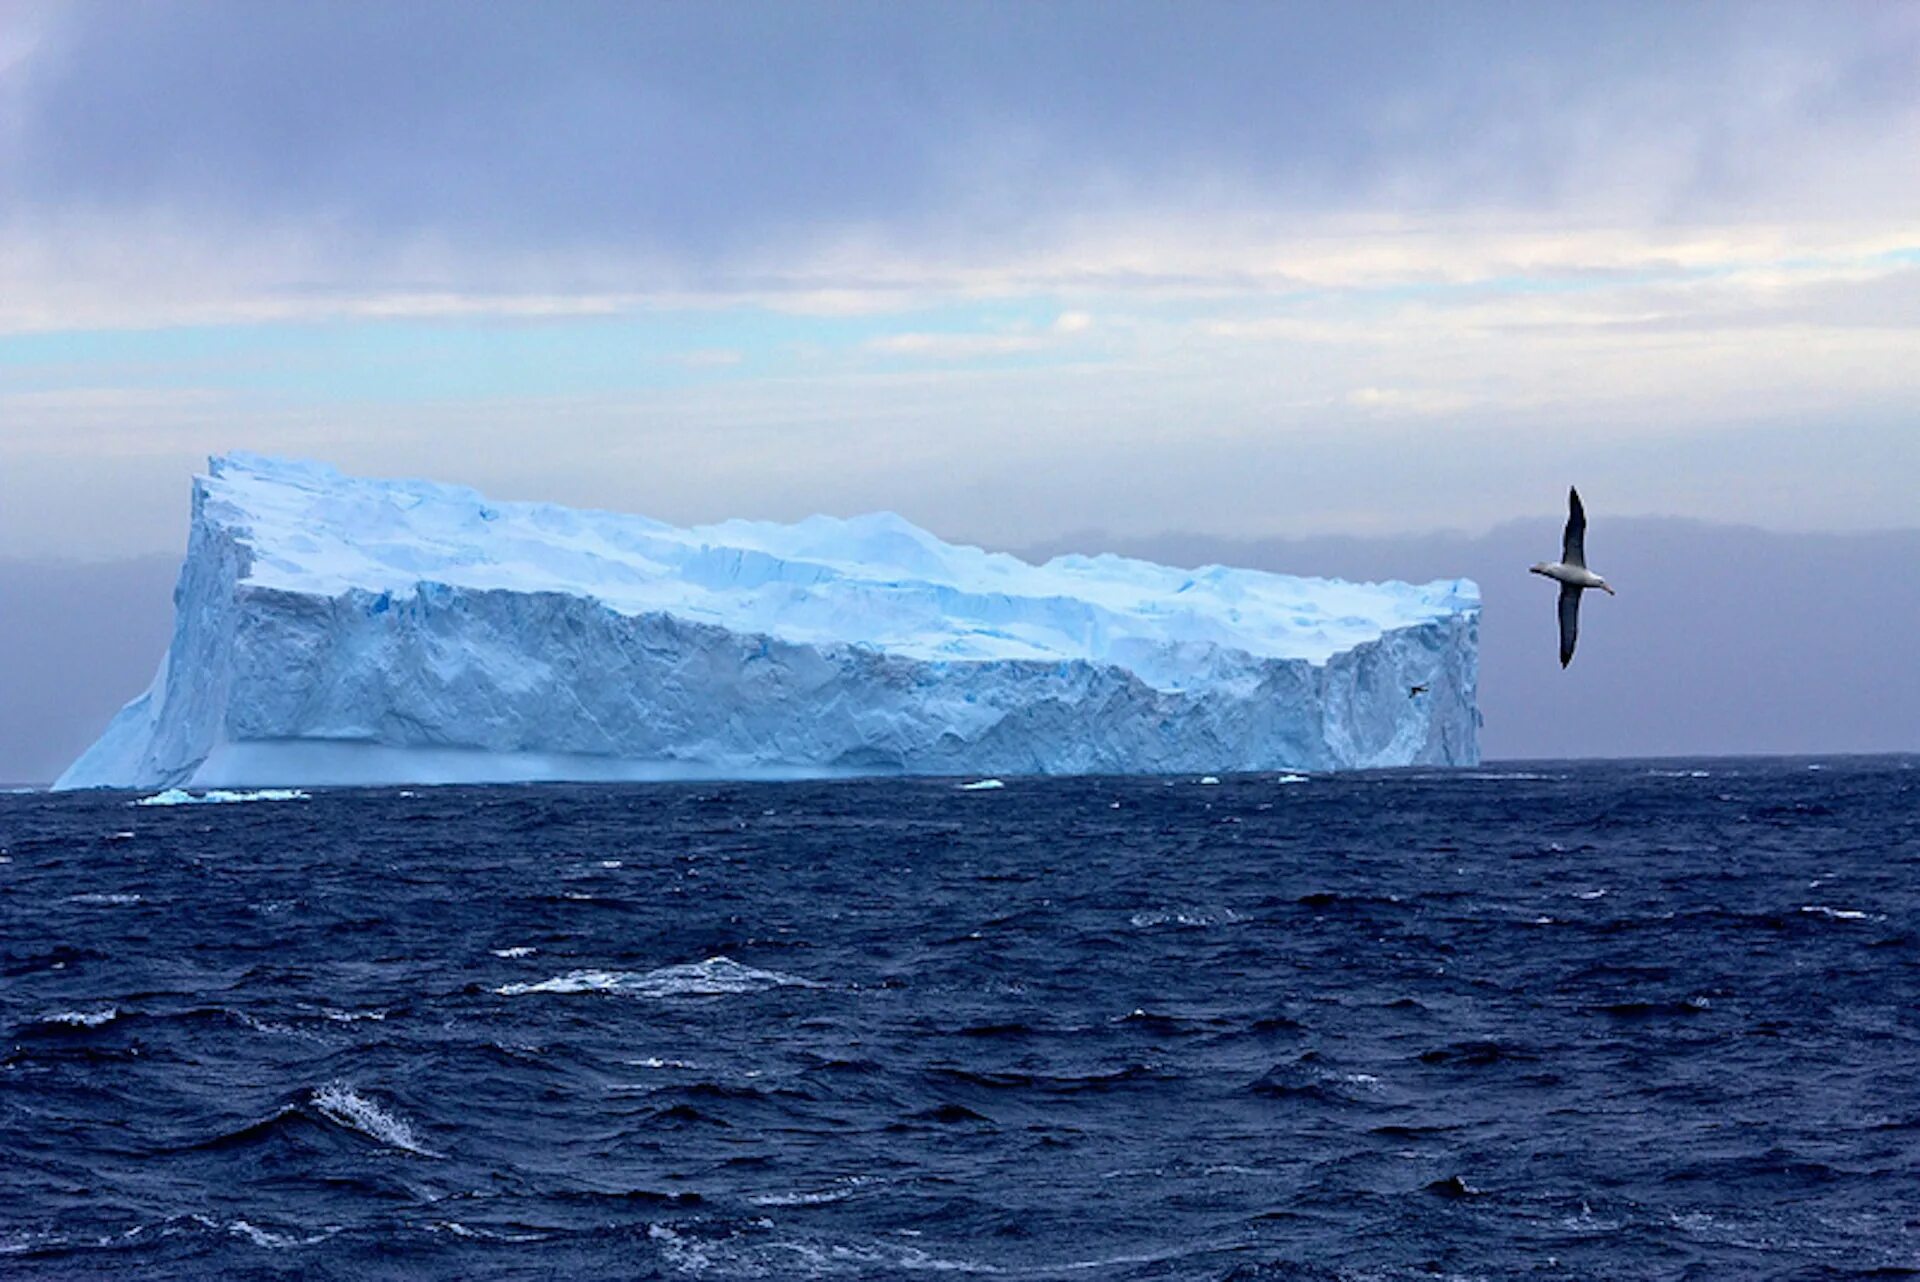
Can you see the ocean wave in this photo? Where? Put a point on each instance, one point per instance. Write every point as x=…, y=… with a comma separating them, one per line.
x=103, y=899
x=349, y=1016
x=1695, y=1005
x=1454, y=1188
x=518, y=950
x=845, y=1188
x=220, y=796
x=750, y=1252
x=82, y=1018
x=275, y=1241
x=1050, y=1083
x=1140, y=1019
x=488, y=1235
x=1478, y=1054
x=983, y=785
x=714, y=977
x=1189, y=917
x=28, y=1241
x=1836, y=914
x=1309, y=1079
x=341, y=1104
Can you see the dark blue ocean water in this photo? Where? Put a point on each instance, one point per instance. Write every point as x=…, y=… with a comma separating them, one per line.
x=1625, y=1020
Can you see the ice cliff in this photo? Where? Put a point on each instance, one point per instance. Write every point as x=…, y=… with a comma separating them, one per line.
x=333, y=630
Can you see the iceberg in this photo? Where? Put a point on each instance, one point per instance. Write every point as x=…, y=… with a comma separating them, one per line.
x=332, y=630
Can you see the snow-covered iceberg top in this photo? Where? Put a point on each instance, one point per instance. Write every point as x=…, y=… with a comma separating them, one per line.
x=875, y=580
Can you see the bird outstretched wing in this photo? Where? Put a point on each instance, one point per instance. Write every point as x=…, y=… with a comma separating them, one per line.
x=1569, y=621
x=1573, y=547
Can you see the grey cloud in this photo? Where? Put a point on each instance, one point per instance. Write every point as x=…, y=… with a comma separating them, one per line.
x=696, y=130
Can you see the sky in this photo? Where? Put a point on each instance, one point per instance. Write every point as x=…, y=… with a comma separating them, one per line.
x=1012, y=270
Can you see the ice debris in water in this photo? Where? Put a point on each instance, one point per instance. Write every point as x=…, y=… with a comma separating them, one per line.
x=716, y=976
x=982, y=785
x=518, y=950
x=1291, y=779
x=340, y=1103
x=1209, y=778
x=218, y=796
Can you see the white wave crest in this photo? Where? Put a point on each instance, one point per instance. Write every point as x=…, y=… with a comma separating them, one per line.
x=468, y=1231
x=82, y=1018
x=983, y=785
x=716, y=976
x=340, y=1103
x=750, y=1255
x=274, y=1241
x=1292, y=779
x=844, y=1189
x=349, y=1016
x=1186, y=917
x=1836, y=914
x=518, y=950
x=220, y=796
x=100, y=898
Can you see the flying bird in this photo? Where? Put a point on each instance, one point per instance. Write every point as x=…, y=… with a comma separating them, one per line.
x=1572, y=574
x=1413, y=691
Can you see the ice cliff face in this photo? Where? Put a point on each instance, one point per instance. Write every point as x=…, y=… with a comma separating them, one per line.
x=337, y=630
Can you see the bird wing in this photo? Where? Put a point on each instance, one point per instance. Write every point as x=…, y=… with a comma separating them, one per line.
x=1569, y=621
x=1573, y=547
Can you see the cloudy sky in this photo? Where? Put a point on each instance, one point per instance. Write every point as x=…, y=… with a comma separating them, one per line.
x=1014, y=270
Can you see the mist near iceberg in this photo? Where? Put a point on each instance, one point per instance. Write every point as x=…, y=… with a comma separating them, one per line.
x=337, y=630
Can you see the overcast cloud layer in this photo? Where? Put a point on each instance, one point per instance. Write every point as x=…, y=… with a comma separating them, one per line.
x=1010, y=269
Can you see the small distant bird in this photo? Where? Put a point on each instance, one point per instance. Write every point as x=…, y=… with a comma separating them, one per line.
x=1415, y=690
x=1571, y=572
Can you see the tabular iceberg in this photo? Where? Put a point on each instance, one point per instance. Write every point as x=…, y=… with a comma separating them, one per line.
x=334, y=630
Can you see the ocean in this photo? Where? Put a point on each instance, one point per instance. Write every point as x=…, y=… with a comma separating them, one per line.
x=1609, y=1020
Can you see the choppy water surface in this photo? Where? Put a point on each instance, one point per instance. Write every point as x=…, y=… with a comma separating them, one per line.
x=1611, y=1021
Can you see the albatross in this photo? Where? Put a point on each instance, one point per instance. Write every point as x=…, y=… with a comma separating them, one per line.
x=1572, y=574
